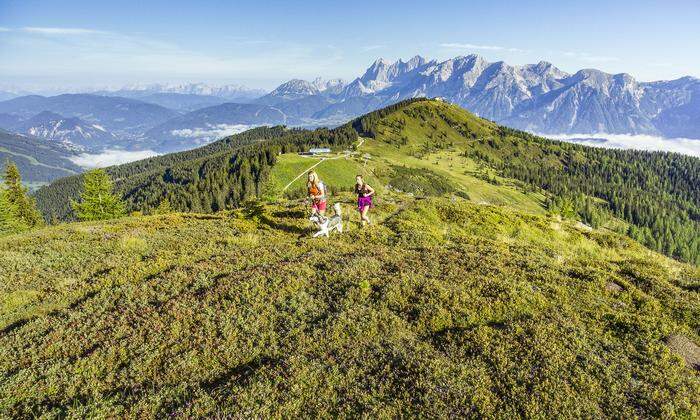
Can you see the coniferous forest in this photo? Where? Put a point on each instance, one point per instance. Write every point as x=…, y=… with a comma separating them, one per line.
x=658, y=193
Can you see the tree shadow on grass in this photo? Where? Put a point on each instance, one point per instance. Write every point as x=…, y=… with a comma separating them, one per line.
x=290, y=214
x=285, y=227
x=239, y=374
x=13, y=326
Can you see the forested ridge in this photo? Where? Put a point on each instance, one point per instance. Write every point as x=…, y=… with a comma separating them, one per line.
x=657, y=193
x=207, y=179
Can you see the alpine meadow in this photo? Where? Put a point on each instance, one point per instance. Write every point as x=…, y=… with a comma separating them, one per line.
x=282, y=210
x=505, y=275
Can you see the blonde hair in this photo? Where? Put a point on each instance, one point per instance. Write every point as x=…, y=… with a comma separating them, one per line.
x=313, y=181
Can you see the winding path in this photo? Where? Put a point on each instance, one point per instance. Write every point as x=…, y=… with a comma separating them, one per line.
x=344, y=155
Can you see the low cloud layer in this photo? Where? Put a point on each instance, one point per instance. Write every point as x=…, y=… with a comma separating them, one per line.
x=628, y=141
x=110, y=157
x=212, y=132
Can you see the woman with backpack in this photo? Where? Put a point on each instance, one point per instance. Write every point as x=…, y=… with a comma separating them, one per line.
x=364, y=198
x=317, y=193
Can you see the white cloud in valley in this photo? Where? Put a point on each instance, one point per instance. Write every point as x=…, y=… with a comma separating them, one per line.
x=211, y=132
x=110, y=157
x=633, y=141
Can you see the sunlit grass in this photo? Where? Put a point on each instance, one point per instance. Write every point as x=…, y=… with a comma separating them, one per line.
x=443, y=307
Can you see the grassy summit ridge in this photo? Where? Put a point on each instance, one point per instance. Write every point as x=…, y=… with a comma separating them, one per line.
x=444, y=307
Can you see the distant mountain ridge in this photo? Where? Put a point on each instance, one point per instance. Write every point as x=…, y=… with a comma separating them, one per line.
x=539, y=98
x=231, y=91
x=73, y=133
x=298, y=89
x=40, y=162
x=535, y=97
x=123, y=116
x=181, y=102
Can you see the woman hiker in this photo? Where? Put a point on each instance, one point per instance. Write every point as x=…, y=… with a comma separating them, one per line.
x=317, y=193
x=364, y=198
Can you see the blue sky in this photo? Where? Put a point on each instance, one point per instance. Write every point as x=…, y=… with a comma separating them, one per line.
x=78, y=44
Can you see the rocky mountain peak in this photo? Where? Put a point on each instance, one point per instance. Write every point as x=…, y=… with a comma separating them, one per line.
x=295, y=87
x=415, y=61
x=332, y=86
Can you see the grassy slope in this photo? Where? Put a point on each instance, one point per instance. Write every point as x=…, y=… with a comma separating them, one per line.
x=446, y=307
x=420, y=152
x=337, y=173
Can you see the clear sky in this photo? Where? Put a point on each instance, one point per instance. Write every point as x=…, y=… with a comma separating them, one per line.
x=91, y=43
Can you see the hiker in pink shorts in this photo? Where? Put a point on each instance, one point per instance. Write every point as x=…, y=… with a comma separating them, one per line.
x=364, y=198
x=317, y=193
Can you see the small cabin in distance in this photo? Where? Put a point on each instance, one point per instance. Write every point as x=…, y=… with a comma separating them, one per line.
x=316, y=151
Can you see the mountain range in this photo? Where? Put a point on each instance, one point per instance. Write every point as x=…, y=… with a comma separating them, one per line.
x=71, y=132
x=538, y=98
x=534, y=97
x=185, y=97
x=125, y=117
x=229, y=92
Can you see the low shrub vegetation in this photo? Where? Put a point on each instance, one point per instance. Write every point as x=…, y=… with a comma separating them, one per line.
x=442, y=308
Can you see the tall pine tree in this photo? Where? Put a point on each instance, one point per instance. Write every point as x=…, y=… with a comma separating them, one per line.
x=9, y=223
x=98, y=202
x=18, y=208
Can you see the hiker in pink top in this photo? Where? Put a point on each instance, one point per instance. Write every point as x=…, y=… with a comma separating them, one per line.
x=364, y=198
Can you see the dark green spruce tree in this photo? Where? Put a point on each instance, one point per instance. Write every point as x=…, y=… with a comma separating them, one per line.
x=17, y=209
x=98, y=201
x=9, y=223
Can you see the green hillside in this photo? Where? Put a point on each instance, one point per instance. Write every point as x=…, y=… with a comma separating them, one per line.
x=498, y=280
x=41, y=161
x=428, y=148
x=337, y=171
x=443, y=307
x=652, y=197
x=654, y=192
